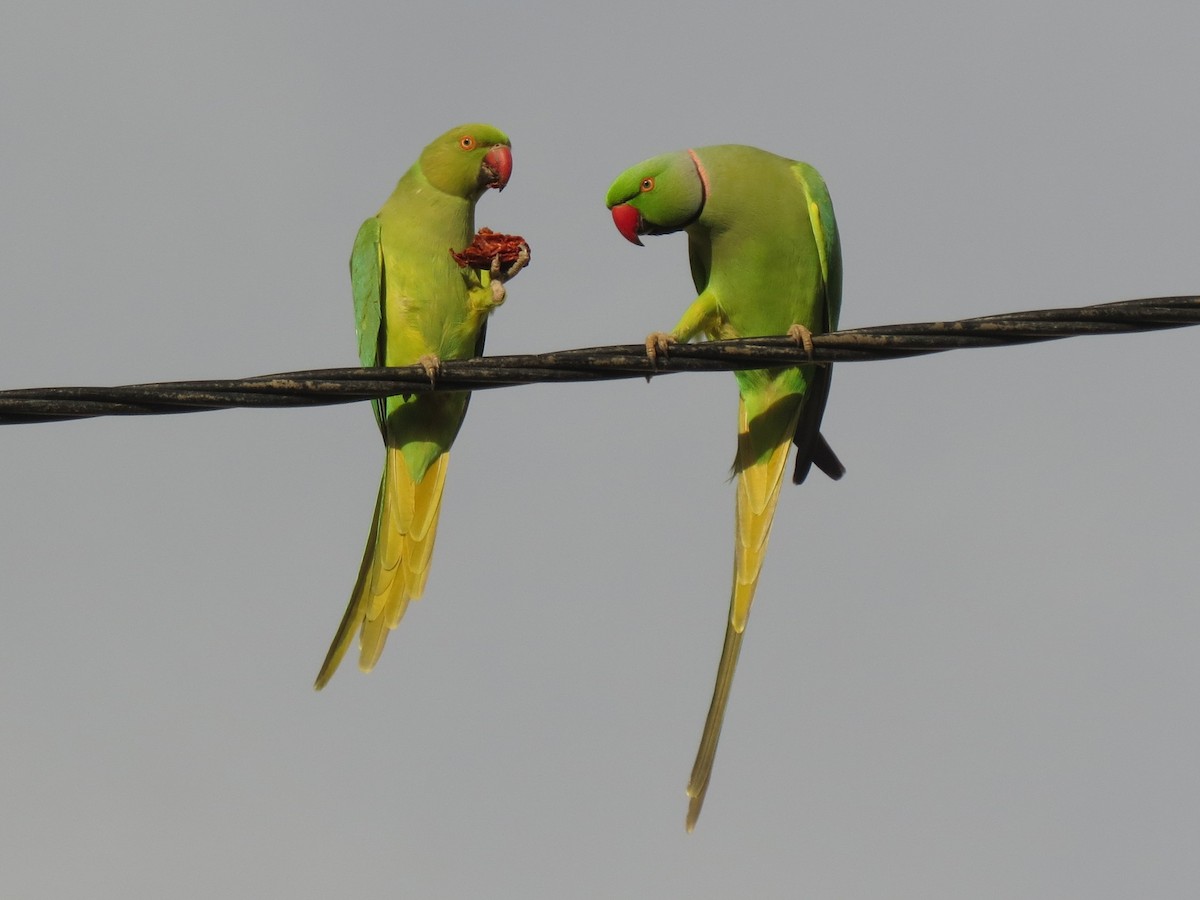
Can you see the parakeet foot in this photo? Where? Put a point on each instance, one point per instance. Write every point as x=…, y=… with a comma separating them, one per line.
x=498, y=291
x=499, y=275
x=802, y=336
x=658, y=343
x=432, y=365
x=511, y=272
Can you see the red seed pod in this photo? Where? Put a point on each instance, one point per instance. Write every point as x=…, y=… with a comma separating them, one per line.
x=487, y=246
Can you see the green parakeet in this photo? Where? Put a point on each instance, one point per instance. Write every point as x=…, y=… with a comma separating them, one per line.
x=765, y=259
x=413, y=304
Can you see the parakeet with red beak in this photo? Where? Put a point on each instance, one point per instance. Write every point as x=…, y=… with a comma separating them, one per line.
x=414, y=304
x=765, y=260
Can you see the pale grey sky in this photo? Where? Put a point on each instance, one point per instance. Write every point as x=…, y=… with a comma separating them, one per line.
x=973, y=664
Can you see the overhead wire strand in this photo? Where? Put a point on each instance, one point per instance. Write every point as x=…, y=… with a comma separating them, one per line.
x=322, y=387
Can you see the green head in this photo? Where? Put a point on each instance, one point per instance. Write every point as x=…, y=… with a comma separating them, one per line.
x=658, y=196
x=467, y=160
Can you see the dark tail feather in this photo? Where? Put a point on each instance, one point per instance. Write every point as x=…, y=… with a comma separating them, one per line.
x=824, y=459
x=811, y=447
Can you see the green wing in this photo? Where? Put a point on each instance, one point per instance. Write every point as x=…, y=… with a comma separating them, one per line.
x=366, y=277
x=825, y=231
x=811, y=447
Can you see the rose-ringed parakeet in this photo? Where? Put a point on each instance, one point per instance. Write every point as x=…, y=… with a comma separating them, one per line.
x=765, y=259
x=414, y=304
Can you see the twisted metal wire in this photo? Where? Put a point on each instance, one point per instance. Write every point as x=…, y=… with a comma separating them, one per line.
x=323, y=387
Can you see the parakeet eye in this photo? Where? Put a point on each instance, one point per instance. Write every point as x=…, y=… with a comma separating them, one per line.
x=466, y=142
x=647, y=184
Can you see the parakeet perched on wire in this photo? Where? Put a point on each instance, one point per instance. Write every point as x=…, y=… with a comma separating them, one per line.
x=765, y=259
x=414, y=303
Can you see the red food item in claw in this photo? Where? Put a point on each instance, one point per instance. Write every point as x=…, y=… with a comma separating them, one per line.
x=487, y=246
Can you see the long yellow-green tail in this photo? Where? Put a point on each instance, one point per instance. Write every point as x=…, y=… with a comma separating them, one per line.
x=759, y=468
x=395, y=563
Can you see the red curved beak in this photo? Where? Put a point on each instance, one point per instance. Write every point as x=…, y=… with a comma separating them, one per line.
x=497, y=167
x=628, y=220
